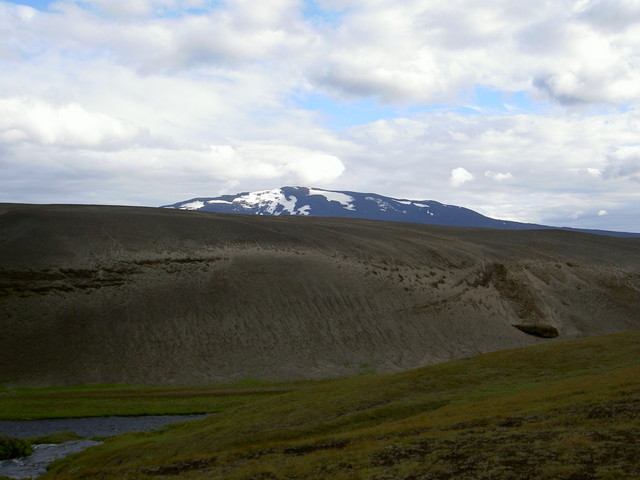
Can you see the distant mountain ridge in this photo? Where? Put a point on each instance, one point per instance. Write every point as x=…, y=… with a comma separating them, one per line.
x=317, y=202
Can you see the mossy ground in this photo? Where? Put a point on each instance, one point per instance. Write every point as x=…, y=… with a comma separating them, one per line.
x=55, y=438
x=557, y=411
x=11, y=447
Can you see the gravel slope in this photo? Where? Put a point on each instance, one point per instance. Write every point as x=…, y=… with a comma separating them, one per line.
x=95, y=294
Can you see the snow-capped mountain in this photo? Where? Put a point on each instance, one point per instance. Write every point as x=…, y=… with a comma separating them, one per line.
x=318, y=202
x=327, y=203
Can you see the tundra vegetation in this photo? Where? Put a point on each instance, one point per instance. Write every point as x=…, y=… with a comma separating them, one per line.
x=11, y=447
x=561, y=410
x=14, y=447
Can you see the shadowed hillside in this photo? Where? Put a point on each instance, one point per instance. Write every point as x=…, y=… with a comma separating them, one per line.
x=123, y=294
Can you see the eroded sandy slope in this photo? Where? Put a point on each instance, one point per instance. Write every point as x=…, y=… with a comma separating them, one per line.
x=123, y=294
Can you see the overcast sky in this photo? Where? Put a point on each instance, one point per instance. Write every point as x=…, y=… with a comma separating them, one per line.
x=526, y=111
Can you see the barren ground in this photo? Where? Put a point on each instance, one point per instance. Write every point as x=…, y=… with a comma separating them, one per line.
x=95, y=294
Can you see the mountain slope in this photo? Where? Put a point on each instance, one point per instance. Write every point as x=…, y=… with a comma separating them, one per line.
x=304, y=201
x=94, y=294
x=316, y=202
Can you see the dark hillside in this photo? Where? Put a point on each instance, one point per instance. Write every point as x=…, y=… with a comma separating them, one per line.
x=100, y=294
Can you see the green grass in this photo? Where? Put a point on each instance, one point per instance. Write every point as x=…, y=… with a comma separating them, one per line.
x=561, y=410
x=12, y=447
x=103, y=400
x=54, y=438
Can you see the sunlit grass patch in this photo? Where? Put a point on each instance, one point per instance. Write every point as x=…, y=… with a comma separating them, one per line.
x=127, y=400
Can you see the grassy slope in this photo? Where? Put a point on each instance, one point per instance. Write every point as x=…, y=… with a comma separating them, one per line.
x=104, y=400
x=560, y=410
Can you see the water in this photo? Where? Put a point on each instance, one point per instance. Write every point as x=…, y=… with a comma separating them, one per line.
x=90, y=426
x=35, y=464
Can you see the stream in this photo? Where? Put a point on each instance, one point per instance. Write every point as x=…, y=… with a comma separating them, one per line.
x=35, y=464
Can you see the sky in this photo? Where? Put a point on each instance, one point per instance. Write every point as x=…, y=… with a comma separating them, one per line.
x=525, y=111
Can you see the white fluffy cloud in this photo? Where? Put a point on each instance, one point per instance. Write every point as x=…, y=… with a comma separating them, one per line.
x=623, y=163
x=25, y=119
x=611, y=15
x=266, y=161
x=163, y=35
x=497, y=176
x=459, y=176
x=430, y=51
x=572, y=52
x=155, y=176
x=121, y=101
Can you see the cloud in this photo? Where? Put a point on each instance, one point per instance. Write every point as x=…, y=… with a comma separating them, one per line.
x=268, y=161
x=497, y=176
x=602, y=213
x=399, y=53
x=120, y=102
x=26, y=119
x=611, y=15
x=554, y=162
x=459, y=176
x=163, y=36
x=583, y=87
x=623, y=163
x=152, y=175
x=432, y=52
x=414, y=51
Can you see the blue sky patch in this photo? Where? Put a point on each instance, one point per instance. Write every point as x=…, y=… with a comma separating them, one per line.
x=491, y=101
x=43, y=5
x=312, y=11
x=339, y=115
x=37, y=4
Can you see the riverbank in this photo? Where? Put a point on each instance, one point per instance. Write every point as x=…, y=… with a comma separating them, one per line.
x=36, y=464
x=90, y=428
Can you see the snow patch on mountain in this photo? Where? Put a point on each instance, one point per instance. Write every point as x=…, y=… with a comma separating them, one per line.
x=384, y=205
x=410, y=202
x=195, y=205
x=305, y=210
x=269, y=200
x=345, y=200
